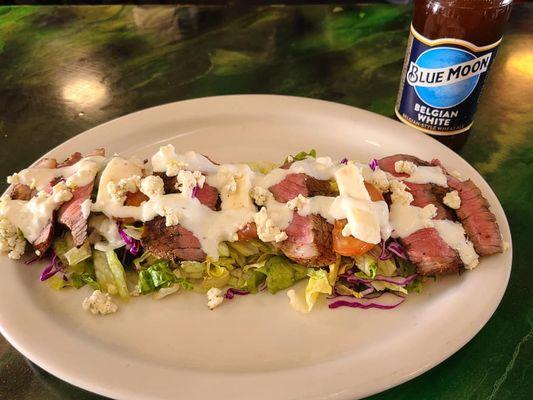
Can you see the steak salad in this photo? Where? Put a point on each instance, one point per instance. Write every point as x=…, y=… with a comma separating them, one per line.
x=360, y=235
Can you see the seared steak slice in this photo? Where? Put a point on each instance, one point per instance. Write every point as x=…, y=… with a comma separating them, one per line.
x=248, y=232
x=424, y=194
x=479, y=222
x=43, y=242
x=71, y=160
x=207, y=195
x=171, y=242
x=70, y=213
x=135, y=199
x=45, y=163
x=431, y=255
x=295, y=184
x=75, y=157
x=20, y=191
x=387, y=163
x=309, y=241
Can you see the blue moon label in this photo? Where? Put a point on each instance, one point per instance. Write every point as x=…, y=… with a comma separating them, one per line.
x=441, y=83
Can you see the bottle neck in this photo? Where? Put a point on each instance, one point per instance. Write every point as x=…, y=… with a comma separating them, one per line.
x=480, y=22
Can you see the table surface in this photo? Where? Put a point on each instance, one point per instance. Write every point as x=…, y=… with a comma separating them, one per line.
x=67, y=69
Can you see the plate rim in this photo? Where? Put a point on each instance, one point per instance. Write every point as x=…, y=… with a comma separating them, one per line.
x=120, y=391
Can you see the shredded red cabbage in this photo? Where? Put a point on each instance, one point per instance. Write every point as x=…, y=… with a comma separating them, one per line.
x=344, y=161
x=53, y=268
x=373, y=164
x=231, y=292
x=195, y=191
x=386, y=301
x=393, y=248
x=385, y=255
x=133, y=245
x=397, y=249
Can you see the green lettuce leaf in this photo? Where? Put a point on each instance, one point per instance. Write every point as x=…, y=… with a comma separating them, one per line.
x=302, y=155
x=281, y=273
x=318, y=284
x=159, y=276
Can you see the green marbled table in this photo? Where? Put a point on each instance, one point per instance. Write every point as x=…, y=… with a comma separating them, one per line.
x=66, y=69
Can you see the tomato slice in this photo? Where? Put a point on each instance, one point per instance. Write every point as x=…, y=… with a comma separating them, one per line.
x=350, y=246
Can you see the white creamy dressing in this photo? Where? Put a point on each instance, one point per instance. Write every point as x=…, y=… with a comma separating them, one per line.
x=108, y=230
x=29, y=216
x=454, y=235
x=32, y=216
x=81, y=173
x=192, y=160
x=428, y=175
x=368, y=220
x=116, y=169
x=407, y=219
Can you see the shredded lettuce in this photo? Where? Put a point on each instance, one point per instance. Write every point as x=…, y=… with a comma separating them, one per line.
x=110, y=273
x=244, y=248
x=262, y=167
x=248, y=279
x=217, y=273
x=159, y=276
x=145, y=260
x=334, y=270
x=119, y=275
x=281, y=273
x=318, y=284
x=302, y=155
x=380, y=286
x=78, y=254
x=346, y=291
x=83, y=274
x=193, y=269
x=367, y=264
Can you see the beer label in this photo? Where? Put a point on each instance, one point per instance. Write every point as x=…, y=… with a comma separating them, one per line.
x=441, y=83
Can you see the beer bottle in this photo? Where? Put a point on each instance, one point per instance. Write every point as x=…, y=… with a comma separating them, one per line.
x=451, y=47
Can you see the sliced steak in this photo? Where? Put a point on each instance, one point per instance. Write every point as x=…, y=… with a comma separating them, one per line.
x=21, y=191
x=294, y=184
x=387, y=163
x=309, y=241
x=70, y=213
x=135, y=199
x=171, y=242
x=248, y=232
x=424, y=194
x=45, y=163
x=43, y=242
x=71, y=160
x=431, y=255
x=207, y=195
x=479, y=222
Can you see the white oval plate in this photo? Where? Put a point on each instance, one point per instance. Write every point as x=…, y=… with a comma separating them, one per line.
x=253, y=347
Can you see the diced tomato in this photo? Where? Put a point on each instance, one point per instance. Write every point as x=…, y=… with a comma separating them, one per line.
x=350, y=246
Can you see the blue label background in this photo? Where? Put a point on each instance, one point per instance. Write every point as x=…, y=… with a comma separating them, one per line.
x=460, y=96
x=449, y=95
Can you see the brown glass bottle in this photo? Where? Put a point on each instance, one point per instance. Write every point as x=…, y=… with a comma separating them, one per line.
x=472, y=27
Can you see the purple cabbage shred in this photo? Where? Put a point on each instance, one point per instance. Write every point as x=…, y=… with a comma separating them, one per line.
x=397, y=249
x=132, y=245
x=231, y=292
x=373, y=164
x=53, y=268
x=344, y=161
x=195, y=191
